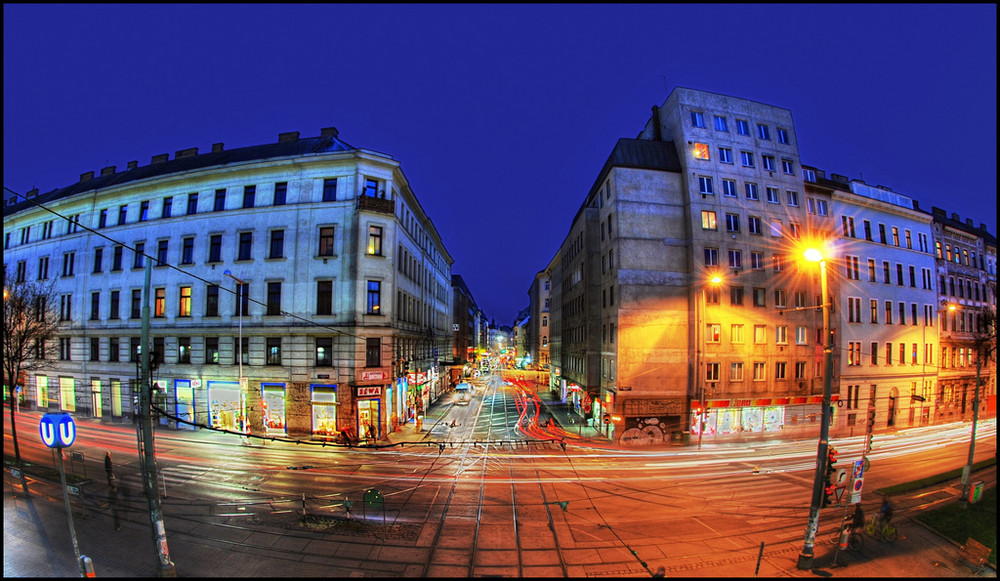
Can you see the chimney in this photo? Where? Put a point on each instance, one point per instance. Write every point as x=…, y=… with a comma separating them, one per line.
x=132, y=165
x=938, y=212
x=86, y=177
x=108, y=170
x=982, y=226
x=288, y=136
x=34, y=192
x=954, y=216
x=216, y=147
x=916, y=205
x=189, y=152
x=656, y=124
x=329, y=132
x=160, y=158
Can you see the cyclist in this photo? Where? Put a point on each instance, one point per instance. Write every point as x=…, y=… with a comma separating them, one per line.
x=885, y=513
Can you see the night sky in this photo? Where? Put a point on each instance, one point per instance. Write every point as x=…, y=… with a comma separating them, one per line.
x=502, y=115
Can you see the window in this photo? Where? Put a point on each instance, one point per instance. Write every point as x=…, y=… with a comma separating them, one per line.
x=705, y=185
x=711, y=257
x=736, y=371
x=800, y=370
x=913, y=277
x=168, y=207
x=732, y=223
x=725, y=155
x=736, y=296
x=793, y=198
x=759, y=334
x=114, y=308
x=212, y=300
x=324, y=352
x=43, y=269
x=782, y=135
x=241, y=350
x=326, y=241
x=753, y=223
x=888, y=312
x=64, y=349
x=277, y=244
x=902, y=353
x=69, y=261
x=160, y=302
x=757, y=260
x=759, y=371
x=711, y=372
x=324, y=297
x=374, y=297
x=708, y=220
x=899, y=274
x=144, y=211
x=788, y=167
x=139, y=259
x=873, y=310
x=220, y=200
x=742, y=127
x=246, y=242
x=249, y=195
x=713, y=332
x=697, y=119
x=273, y=351
x=746, y=158
x=280, y=193
x=768, y=162
x=729, y=188
x=161, y=252
x=212, y=350
x=736, y=333
x=772, y=195
x=184, y=350
x=853, y=310
x=751, y=190
x=700, y=151
x=98, y=260
x=375, y=240
x=192, y=206
x=373, y=352
x=122, y=214
x=102, y=221
x=735, y=259
x=759, y=297
x=776, y=228
x=184, y=305
x=273, y=298
x=779, y=370
x=215, y=248
x=113, y=349
x=330, y=190
x=871, y=270
x=885, y=272
x=895, y=239
x=763, y=132
x=800, y=299
x=853, y=267
x=913, y=313
x=95, y=306
x=881, y=233
x=720, y=124
x=801, y=335
x=779, y=298
x=187, y=250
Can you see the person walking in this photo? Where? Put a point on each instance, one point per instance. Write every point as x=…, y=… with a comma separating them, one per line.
x=109, y=468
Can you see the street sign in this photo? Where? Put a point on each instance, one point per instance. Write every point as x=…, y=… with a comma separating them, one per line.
x=859, y=481
x=57, y=429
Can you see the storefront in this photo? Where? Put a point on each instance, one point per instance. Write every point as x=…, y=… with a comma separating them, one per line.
x=369, y=398
x=727, y=417
x=273, y=408
x=324, y=410
x=226, y=406
x=185, y=402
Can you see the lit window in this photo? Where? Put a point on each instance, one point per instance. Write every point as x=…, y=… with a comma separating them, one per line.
x=701, y=151
x=375, y=240
x=185, y=302
x=708, y=220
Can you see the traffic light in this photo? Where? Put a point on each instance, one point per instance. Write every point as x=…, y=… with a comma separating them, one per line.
x=871, y=418
x=868, y=444
x=830, y=490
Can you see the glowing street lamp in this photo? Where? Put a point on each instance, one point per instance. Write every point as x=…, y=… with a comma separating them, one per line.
x=806, y=556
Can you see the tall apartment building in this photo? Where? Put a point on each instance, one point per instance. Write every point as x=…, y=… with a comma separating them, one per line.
x=886, y=307
x=711, y=187
x=538, y=326
x=966, y=268
x=344, y=286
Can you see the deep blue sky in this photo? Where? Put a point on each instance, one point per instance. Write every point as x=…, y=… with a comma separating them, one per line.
x=502, y=115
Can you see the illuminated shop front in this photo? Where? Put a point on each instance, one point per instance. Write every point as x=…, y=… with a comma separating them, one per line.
x=324, y=410
x=184, y=408
x=727, y=417
x=369, y=398
x=226, y=406
x=273, y=408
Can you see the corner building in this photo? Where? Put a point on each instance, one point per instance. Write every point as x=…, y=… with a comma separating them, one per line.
x=643, y=340
x=345, y=287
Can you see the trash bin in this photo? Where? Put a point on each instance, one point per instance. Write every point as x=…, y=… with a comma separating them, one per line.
x=976, y=492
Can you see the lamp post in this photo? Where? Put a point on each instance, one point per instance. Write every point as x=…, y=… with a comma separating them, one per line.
x=701, y=378
x=805, y=560
x=239, y=349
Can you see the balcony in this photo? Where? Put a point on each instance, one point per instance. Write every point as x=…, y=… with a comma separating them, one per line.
x=380, y=205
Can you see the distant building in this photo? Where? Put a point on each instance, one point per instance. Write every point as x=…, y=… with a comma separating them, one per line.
x=345, y=283
x=537, y=330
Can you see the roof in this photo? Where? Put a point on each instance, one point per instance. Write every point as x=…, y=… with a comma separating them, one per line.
x=327, y=143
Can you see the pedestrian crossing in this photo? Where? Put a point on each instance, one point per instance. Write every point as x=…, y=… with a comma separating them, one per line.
x=181, y=474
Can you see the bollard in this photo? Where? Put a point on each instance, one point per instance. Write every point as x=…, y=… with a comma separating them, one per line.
x=845, y=535
x=87, y=566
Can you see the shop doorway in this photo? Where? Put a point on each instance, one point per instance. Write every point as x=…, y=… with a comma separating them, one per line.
x=185, y=403
x=369, y=416
x=273, y=408
x=95, y=392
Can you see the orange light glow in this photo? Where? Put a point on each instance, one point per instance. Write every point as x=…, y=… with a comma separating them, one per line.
x=701, y=151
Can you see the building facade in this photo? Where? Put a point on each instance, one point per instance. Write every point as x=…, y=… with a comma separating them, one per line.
x=297, y=289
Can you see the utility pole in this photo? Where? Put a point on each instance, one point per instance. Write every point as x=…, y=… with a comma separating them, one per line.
x=967, y=469
x=147, y=458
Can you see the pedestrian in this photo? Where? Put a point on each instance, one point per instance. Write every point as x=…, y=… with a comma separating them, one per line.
x=859, y=517
x=108, y=467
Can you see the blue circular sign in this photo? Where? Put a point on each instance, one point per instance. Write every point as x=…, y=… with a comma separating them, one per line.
x=57, y=429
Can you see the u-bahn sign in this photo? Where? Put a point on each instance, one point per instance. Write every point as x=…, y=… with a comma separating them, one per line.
x=57, y=429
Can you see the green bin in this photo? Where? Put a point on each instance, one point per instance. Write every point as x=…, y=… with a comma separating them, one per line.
x=976, y=493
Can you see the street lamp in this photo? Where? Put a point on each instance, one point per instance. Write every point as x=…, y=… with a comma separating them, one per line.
x=806, y=556
x=700, y=377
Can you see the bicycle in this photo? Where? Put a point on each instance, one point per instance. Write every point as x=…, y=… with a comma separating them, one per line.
x=881, y=531
x=855, y=540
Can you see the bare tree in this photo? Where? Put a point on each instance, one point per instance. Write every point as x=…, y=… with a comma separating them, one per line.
x=30, y=320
